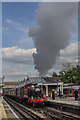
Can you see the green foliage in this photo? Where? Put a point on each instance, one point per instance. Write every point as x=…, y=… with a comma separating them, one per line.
x=66, y=75
x=54, y=74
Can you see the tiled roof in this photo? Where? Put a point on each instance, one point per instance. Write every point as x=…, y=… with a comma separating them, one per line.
x=52, y=79
x=35, y=80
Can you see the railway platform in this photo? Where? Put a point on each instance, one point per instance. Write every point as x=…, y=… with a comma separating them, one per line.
x=6, y=111
x=2, y=110
x=66, y=100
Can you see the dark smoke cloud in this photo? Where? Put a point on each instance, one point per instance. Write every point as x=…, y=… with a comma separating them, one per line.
x=56, y=23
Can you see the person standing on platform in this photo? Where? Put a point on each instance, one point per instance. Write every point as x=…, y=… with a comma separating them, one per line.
x=79, y=92
x=59, y=93
x=76, y=94
x=53, y=94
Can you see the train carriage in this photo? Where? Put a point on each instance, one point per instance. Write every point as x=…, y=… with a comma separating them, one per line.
x=29, y=93
x=13, y=92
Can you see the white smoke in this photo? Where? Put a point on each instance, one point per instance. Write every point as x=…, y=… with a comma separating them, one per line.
x=56, y=23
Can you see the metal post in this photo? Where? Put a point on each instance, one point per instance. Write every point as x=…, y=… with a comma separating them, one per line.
x=57, y=86
x=72, y=89
x=46, y=90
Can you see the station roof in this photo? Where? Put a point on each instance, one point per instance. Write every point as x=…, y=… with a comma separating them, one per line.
x=52, y=79
x=69, y=87
x=9, y=86
x=10, y=83
x=35, y=80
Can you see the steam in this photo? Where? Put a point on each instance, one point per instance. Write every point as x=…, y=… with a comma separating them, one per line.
x=56, y=23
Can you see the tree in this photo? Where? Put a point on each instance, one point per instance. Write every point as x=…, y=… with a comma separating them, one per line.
x=73, y=73
x=54, y=74
x=69, y=71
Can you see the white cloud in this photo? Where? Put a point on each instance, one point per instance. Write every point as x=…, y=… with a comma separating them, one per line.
x=22, y=56
x=69, y=54
x=40, y=0
x=23, y=74
x=21, y=0
x=59, y=0
x=17, y=55
x=17, y=25
x=17, y=71
x=24, y=61
x=9, y=21
x=17, y=63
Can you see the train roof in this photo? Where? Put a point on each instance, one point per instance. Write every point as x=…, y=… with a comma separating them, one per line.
x=22, y=85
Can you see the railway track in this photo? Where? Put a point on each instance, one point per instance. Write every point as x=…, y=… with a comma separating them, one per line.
x=57, y=114
x=42, y=113
x=65, y=107
x=24, y=111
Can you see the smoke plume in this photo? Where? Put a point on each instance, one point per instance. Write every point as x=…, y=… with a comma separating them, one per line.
x=56, y=23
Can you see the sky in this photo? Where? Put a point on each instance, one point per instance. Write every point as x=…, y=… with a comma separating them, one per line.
x=18, y=47
x=0, y=39
x=16, y=23
x=40, y=0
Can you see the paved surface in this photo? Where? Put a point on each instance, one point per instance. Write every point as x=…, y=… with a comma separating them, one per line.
x=67, y=100
x=0, y=108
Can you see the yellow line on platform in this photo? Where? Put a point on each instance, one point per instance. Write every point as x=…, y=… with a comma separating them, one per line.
x=66, y=102
x=3, y=112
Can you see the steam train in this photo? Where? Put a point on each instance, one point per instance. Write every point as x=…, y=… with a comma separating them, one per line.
x=29, y=93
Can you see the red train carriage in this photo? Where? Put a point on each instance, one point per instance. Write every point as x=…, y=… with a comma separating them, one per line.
x=30, y=93
x=13, y=92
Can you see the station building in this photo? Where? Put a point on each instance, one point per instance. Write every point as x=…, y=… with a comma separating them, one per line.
x=47, y=84
x=52, y=83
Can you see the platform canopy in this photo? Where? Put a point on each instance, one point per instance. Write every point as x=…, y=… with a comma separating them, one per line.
x=35, y=80
x=52, y=80
x=74, y=87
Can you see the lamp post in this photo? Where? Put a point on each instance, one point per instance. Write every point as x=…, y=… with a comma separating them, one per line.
x=72, y=92
x=72, y=89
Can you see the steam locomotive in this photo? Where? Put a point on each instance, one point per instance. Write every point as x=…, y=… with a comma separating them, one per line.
x=29, y=93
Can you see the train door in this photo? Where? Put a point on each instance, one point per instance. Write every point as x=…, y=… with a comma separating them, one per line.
x=22, y=92
x=25, y=92
x=16, y=92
